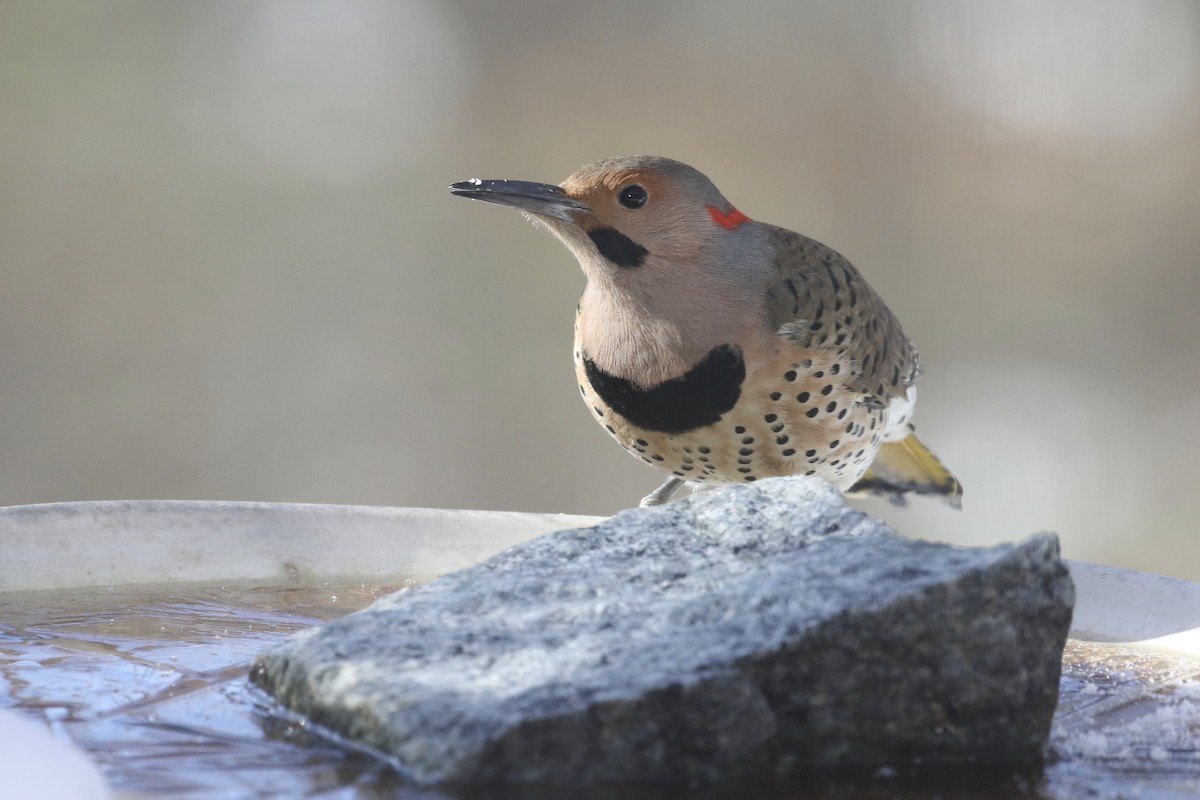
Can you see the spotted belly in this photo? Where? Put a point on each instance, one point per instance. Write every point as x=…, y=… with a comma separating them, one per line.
x=768, y=415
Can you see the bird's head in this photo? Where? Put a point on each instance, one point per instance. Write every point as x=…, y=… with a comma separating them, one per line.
x=628, y=215
x=673, y=269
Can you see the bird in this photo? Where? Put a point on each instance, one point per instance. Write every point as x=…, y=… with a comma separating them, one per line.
x=719, y=349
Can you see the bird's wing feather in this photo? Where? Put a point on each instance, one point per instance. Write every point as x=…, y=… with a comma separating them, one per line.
x=818, y=301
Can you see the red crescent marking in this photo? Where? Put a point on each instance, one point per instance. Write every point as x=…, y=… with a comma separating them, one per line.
x=728, y=221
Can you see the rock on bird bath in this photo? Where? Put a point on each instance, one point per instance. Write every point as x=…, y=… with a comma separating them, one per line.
x=758, y=629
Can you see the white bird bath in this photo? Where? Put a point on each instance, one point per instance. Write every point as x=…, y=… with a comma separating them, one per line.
x=126, y=628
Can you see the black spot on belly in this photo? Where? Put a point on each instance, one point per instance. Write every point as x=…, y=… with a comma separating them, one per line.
x=617, y=247
x=697, y=398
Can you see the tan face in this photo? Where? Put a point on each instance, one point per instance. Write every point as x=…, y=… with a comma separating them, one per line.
x=648, y=225
x=639, y=214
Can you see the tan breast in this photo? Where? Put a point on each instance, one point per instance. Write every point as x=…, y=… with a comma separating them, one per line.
x=797, y=414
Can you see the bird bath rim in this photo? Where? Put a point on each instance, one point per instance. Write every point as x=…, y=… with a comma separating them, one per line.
x=127, y=542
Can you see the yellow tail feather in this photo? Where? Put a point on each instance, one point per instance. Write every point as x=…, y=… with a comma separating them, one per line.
x=908, y=466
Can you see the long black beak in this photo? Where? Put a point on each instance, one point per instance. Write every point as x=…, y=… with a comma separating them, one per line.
x=538, y=198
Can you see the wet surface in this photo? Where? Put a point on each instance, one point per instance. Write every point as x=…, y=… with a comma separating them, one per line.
x=153, y=686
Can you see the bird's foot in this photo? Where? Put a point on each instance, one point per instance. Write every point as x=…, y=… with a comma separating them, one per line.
x=662, y=494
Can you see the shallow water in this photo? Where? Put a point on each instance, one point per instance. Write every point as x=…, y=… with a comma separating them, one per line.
x=153, y=685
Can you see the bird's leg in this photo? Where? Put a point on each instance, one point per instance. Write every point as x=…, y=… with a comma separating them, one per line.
x=663, y=493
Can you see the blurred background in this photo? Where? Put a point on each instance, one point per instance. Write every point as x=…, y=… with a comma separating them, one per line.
x=230, y=267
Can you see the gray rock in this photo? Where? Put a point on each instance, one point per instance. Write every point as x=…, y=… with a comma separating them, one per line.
x=758, y=629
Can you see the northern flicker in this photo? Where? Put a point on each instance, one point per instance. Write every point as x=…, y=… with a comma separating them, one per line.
x=718, y=349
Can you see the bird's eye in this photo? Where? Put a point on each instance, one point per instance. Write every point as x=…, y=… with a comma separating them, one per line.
x=632, y=196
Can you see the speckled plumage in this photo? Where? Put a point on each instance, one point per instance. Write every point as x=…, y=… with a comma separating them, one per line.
x=718, y=349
